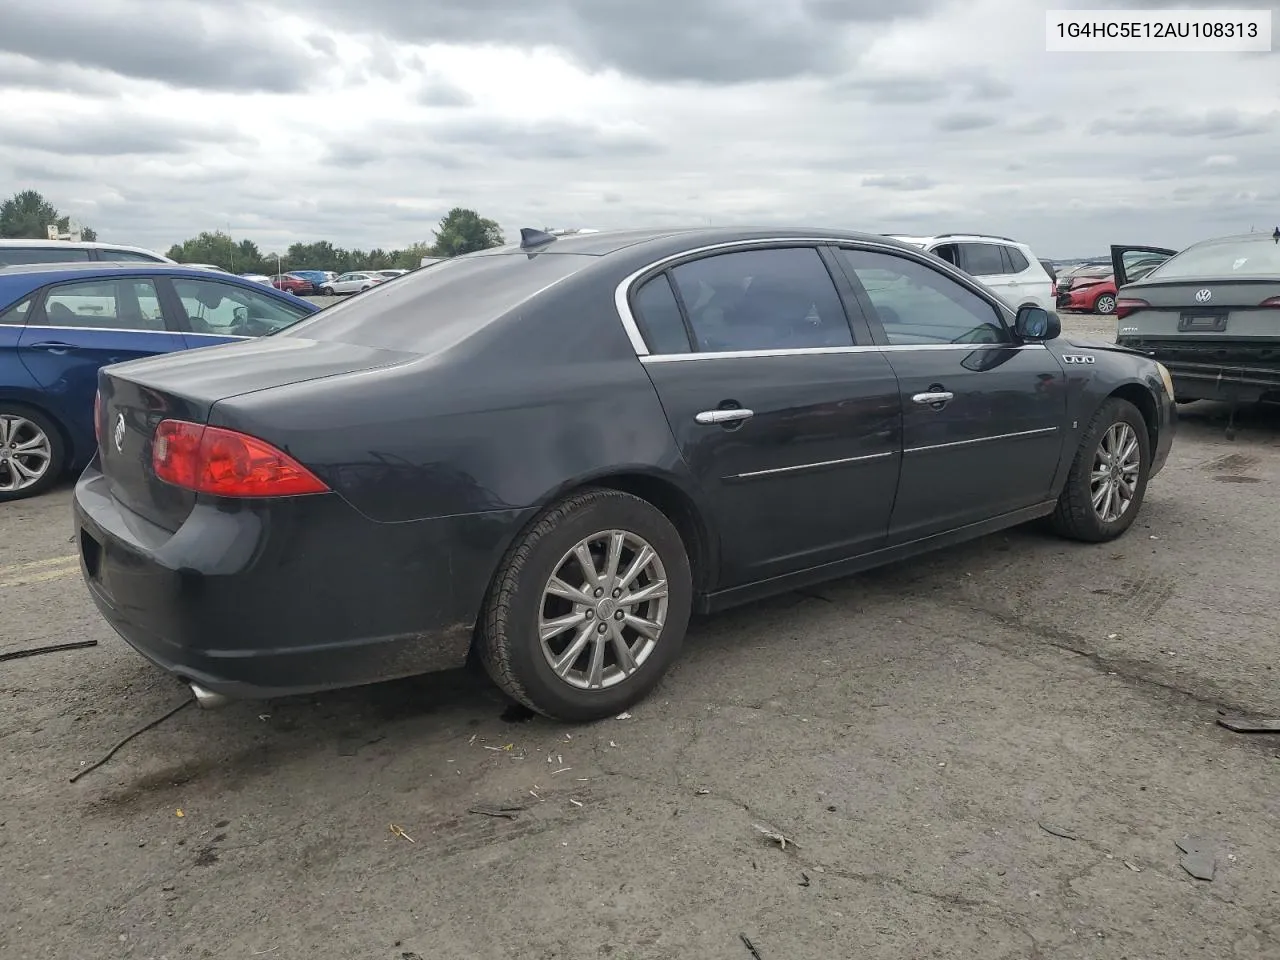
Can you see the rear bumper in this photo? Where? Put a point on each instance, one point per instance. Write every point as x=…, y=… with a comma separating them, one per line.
x=300, y=595
x=1211, y=381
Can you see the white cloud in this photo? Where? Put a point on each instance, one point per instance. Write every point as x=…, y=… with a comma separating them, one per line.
x=939, y=115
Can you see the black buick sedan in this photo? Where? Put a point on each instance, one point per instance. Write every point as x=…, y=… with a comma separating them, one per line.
x=552, y=453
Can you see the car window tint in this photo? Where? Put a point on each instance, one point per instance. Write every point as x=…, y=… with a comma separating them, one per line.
x=762, y=300
x=14, y=256
x=659, y=316
x=982, y=259
x=127, y=256
x=105, y=304
x=230, y=310
x=1016, y=259
x=16, y=315
x=918, y=305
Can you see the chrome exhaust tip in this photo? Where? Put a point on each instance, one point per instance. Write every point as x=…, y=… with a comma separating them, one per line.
x=207, y=699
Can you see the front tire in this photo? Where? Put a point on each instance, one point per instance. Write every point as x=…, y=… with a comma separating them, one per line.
x=326, y=291
x=1105, y=305
x=33, y=455
x=1108, y=479
x=589, y=607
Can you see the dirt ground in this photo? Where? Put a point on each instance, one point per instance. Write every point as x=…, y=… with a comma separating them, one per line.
x=990, y=753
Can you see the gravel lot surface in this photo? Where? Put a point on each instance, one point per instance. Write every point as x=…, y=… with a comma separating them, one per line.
x=990, y=753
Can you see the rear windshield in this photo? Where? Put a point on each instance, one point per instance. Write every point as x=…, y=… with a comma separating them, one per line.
x=1223, y=259
x=432, y=308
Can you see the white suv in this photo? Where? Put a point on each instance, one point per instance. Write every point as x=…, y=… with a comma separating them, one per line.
x=21, y=252
x=1008, y=267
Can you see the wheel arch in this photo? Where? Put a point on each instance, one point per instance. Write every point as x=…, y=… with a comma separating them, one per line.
x=1139, y=394
x=665, y=492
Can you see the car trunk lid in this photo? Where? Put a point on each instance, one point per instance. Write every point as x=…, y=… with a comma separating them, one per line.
x=136, y=396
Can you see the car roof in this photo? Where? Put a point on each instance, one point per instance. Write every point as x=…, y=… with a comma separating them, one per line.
x=958, y=238
x=82, y=245
x=606, y=242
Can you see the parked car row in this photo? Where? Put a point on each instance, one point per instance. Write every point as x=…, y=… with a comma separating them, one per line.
x=326, y=282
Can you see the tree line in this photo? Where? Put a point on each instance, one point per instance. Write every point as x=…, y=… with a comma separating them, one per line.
x=26, y=215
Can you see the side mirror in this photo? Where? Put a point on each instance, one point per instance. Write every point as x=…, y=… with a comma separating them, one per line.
x=1036, y=324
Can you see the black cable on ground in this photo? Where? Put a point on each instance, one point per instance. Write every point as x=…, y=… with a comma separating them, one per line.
x=51, y=648
x=143, y=729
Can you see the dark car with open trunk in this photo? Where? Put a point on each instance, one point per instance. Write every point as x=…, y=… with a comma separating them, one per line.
x=550, y=454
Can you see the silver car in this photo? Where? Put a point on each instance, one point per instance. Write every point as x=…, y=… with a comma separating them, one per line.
x=356, y=282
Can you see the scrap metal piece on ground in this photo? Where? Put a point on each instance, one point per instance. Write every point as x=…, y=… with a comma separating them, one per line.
x=503, y=813
x=1057, y=831
x=750, y=946
x=1200, y=857
x=49, y=648
x=1238, y=723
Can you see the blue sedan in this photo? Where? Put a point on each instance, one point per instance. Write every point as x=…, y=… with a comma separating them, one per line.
x=60, y=322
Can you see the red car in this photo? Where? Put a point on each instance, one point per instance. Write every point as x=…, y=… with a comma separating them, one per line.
x=291, y=284
x=1093, y=289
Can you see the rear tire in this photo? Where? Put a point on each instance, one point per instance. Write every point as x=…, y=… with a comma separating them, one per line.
x=541, y=584
x=1106, y=461
x=1105, y=305
x=29, y=441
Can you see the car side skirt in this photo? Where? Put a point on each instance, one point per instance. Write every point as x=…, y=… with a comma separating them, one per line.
x=724, y=599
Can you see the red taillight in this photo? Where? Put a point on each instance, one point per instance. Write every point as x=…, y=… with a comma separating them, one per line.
x=1127, y=306
x=97, y=416
x=227, y=464
x=1273, y=302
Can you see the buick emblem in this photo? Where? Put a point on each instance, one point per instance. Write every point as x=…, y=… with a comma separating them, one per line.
x=118, y=434
x=1204, y=296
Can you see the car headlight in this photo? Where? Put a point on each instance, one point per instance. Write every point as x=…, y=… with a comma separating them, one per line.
x=1164, y=375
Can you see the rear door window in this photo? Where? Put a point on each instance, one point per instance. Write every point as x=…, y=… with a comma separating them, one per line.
x=982, y=259
x=125, y=304
x=779, y=299
x=17, y=256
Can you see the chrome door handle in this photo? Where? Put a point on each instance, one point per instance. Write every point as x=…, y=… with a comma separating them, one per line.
x=941, y=396
x=731, y=415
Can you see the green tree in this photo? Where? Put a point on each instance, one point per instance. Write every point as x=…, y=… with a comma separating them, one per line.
x=220, y=250
x=465, y=231
x=27, y=215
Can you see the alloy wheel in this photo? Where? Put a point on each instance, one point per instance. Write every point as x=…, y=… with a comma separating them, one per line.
x=1117, y=464
x=25, y=453
x=1106, y=304
x=603, y=610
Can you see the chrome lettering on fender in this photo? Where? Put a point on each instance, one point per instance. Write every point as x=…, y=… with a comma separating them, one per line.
x=1077, y=358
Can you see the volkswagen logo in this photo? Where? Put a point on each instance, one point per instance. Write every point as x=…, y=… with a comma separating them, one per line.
x=1204, y=296
x=118, y=434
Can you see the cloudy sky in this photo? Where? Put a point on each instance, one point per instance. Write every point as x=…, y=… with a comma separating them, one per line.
x=363, y=121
